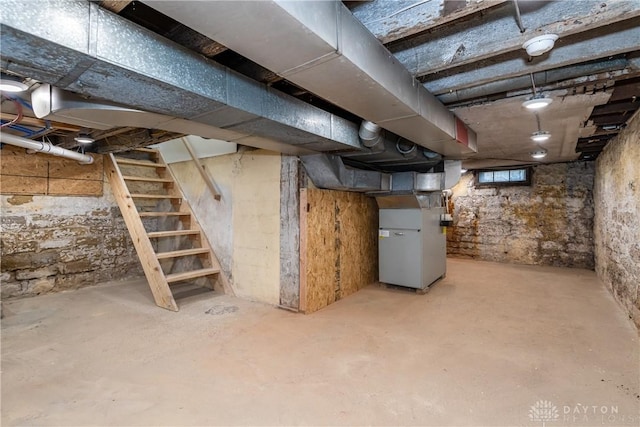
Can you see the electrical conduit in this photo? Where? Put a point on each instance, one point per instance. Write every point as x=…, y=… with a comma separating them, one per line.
x=45, y=147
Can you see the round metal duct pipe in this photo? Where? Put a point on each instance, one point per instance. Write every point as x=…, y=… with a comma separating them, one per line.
x=370, y=134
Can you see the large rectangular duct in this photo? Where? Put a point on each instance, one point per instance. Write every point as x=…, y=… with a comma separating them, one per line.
x=77, y=46
x=322, y=47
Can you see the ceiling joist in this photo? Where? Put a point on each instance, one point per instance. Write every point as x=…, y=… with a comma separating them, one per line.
x=394, y=20
x=563, y=55
x=498, y=33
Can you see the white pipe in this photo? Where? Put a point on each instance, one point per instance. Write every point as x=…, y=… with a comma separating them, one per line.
x=45, y=147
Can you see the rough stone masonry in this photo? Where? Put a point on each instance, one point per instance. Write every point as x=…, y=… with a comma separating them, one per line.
x=617, y=218
x=57, y=243
x=549, y=222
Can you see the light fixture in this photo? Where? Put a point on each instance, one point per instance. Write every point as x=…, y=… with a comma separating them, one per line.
x=538, y=100
x=539, y=45
x=540, y=136
x=539, y=154
x=11, y=83
x=84, y=138
x=463, y=171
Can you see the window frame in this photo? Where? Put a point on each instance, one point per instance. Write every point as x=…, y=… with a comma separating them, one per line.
x=528, y=170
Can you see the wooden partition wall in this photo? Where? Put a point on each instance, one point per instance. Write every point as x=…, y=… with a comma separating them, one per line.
x=338, y=246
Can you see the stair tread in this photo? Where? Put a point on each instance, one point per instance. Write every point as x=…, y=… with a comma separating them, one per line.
x=172, y=233
x=135, y=162
x=144, y=178
x=146, y=150
x=164, y=214
x=154, y=196
x=186, y=275
x=183, y=252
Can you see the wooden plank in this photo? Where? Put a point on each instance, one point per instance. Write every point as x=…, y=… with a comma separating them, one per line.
x=150, y=264
x=134, y=162
x=201, y=168
x=146, y=150
x=183, y=252
x=74, y=187
x=70, y=169
x=179, y=277
x=10, y=184
x=146, y=179
x=289, y=232
x=32, y=121
x=159, y=214
x=155, y=196
x=114, y=6
x=171, y=233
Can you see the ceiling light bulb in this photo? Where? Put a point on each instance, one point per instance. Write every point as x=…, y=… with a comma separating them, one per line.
x=537, y=102
x=539, y=154
x=540, y=136
x=12, y=84
x=463, y=171
x=539, y=45
x=84, y=138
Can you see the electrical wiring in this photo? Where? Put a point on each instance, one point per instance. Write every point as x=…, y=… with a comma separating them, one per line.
x=18, y=116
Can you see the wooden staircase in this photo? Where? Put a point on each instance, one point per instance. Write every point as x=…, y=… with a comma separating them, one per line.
x=176, y=251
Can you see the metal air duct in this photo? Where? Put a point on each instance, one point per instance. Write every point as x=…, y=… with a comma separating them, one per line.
x=78, y=46
x=322, y=47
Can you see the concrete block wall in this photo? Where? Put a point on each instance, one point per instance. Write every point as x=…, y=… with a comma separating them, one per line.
x=53, y=243
x=547, y=223
x=617, y=218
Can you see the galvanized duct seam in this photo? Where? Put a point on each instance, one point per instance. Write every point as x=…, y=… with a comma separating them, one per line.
x=330, y=53
x=80, y=47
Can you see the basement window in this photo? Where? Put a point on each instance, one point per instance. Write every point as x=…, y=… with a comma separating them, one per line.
x=503, y=177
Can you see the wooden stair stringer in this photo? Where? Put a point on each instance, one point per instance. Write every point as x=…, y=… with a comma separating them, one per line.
x=151, y=266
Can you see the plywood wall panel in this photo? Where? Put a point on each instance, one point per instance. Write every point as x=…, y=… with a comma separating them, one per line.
x=56, y=176
x=23, y=185
x=69, y=169
x=74, y=187
x=338, y=246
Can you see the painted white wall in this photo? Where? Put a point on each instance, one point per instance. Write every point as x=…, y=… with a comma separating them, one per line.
x=174, y=151
x=244, y=226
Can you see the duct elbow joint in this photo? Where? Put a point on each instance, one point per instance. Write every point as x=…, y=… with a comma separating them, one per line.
x=370, y=134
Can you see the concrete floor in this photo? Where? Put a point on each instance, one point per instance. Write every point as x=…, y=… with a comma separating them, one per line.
x=481, y=348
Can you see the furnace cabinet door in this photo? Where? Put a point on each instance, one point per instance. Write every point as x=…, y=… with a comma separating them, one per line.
x=399, y=256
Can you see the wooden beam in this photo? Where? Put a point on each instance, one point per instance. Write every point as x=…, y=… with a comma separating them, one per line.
x=498, y=34
x=202, y=169
x=394, y=20
x=561, y=56
x=32, y=121
x=114, y=6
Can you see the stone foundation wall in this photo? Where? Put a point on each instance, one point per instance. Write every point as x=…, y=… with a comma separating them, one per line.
x=617, y=218
x=51, y=244
x=547, y=223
